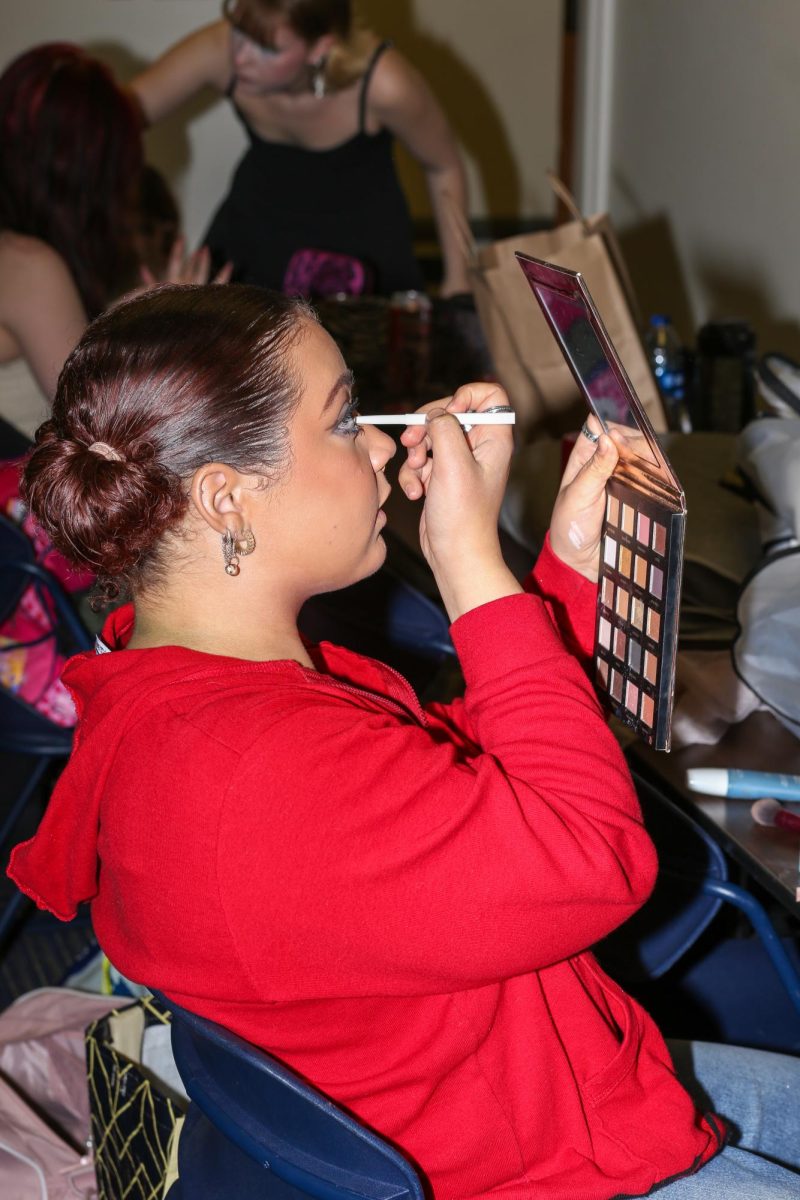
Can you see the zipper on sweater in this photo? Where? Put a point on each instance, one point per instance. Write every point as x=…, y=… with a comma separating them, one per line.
x=415, y=710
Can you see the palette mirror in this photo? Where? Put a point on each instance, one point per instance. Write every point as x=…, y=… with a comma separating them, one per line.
x=641, y=553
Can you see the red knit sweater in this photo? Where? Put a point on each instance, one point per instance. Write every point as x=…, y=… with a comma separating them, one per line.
x=395, y=902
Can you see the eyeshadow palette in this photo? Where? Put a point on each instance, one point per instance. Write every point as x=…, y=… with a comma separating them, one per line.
x=641, y=552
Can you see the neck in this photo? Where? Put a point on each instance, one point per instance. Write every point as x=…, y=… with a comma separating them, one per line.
x=225, y=618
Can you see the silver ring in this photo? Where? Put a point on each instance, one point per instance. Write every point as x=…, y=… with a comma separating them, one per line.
x=498, y=408
x=586, y=431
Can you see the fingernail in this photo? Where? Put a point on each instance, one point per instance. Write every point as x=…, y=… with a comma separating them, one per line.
x=436, y=413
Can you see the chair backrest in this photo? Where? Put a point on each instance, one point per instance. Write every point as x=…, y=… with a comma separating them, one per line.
x=680, y=908
x=386, y=617
x=255, y=1105
x=16, y=552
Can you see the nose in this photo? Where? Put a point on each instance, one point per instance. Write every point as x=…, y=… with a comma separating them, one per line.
x=381, y=447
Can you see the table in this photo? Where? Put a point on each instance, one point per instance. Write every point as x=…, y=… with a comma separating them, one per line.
x=770, y=856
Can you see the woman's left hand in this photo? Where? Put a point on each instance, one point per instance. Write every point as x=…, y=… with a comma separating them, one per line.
x=187, y=268
x=577, y=519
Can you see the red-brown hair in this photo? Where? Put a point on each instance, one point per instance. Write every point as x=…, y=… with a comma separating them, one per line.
x=175, y=378
x=70, y=158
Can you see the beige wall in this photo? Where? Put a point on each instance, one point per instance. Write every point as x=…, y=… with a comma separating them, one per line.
x=705, y=174
x=495, y=68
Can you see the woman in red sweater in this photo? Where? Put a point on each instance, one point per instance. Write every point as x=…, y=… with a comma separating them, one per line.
x=398, y=902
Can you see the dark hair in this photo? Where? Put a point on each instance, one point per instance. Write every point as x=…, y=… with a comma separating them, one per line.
x=70, y=157
x=172, y=379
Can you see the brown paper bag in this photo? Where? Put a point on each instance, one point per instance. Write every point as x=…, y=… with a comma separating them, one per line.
x=527, y=358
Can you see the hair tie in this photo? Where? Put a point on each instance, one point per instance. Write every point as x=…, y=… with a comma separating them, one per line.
x=105, y=451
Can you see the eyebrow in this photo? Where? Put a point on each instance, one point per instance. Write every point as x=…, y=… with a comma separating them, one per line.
x=345, y=380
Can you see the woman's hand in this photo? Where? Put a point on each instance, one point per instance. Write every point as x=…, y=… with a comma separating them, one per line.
x=183, y=268
x=462, y=478
x=577, y=520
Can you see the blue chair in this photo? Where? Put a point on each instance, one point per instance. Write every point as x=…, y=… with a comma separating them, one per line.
x=696, y=980
x=25, y=733
x=254, y=1128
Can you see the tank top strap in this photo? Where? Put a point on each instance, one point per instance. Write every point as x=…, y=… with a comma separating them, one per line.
x=362, y=99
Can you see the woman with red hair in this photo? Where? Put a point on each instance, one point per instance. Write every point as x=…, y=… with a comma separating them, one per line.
x=70, y=170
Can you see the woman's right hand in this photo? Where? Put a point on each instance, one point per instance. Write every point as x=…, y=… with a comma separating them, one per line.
x=462, y=477
x=183, y=268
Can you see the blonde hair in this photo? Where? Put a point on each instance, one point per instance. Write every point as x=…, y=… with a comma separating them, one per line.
x=311, y=20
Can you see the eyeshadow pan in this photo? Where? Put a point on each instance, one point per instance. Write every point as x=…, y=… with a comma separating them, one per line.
x=612, y=510
x=646, y=715
x=619, y=644
x=640, y=571
x=637, y=612
x=634, y=655
x=604, y=633
x=607, y=592
x=616, y=685
x=659, y=537
x=625, y=561
x=610, y=552
x=643, y=529
x=602, y=671
x=622, y=603
x=627, y=519
x=653, y=624
x=650, y=665
x=632, y=697
x=656, y=581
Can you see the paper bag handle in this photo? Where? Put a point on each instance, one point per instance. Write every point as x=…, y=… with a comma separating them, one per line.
x=565, y=196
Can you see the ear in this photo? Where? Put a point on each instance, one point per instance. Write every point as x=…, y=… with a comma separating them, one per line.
x=217, y=494
x=321, y=48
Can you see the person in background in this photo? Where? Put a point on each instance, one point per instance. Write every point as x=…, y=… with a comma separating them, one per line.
x=158, y=226
x=398, y=901
x=70, y=171
x=322, y=104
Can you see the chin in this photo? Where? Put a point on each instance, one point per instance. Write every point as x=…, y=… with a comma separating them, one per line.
x=372, y=562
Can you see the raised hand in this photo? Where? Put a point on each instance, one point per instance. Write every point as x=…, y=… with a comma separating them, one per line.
x=462, y=477
x=186, y=268
x=577, y=520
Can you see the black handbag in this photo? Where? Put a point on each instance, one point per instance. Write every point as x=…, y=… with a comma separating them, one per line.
x=135, y=1118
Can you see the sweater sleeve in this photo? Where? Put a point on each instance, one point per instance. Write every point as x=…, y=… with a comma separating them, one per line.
x=396, y=862
x=571, y=601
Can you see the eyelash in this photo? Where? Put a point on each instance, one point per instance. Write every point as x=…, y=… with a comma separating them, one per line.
x=346, y=425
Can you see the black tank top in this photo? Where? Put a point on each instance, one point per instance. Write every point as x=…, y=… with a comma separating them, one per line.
x=346, y=199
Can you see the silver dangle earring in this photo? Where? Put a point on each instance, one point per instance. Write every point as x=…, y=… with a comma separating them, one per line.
x=234, y=546
x=319, y=85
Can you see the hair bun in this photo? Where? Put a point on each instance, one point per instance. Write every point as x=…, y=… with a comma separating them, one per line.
x=99, y=518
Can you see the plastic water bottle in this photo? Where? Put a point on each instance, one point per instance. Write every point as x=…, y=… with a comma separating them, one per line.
x=667, y=360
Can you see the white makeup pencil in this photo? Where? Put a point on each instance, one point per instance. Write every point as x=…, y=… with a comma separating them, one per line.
x=467, y=419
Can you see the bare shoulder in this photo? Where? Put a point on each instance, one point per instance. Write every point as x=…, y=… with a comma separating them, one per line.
x=28, y=259
x=209, y=48
x=396, y=83
x=201, y=58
